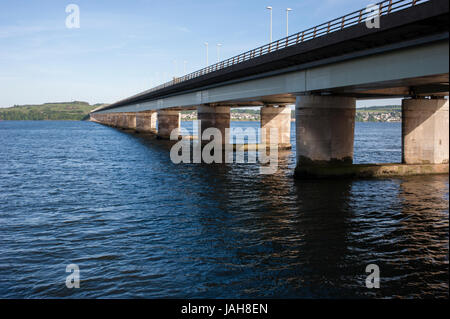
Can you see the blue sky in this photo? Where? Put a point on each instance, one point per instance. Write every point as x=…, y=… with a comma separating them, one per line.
x=124, y=47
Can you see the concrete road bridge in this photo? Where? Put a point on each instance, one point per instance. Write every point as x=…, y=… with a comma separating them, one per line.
x=323, y=70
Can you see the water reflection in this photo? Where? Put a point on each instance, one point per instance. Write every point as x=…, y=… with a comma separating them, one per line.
x=424, y=223
x=139, y=225
x=284, y=238
x=324, y=214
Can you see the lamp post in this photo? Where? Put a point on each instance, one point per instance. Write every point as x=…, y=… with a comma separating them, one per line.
x=287, y=21
x=175, y=68
x=207, y=63
x=218, y=52
x=270, y=9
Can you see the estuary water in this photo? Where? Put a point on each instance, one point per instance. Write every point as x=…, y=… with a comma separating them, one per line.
x=139, y=226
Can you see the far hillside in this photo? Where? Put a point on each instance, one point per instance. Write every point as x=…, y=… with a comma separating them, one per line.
x=74, y=111
x=387, y=108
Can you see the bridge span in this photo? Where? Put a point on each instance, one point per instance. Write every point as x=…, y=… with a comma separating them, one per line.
x=323, y=70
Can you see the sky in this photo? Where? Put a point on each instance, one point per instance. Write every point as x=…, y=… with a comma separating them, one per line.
x=124, y=47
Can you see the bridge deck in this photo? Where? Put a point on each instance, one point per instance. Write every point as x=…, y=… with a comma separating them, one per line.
x=428, y=20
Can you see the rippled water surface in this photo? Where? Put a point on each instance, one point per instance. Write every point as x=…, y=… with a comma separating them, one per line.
x=138, y=225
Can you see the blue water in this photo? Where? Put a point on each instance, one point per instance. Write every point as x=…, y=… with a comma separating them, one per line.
x=138, y=225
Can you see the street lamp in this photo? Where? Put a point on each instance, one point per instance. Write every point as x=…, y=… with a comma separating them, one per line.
x=206, y=43
x=175, y=68
x=270, y=9
x=218, y=52
x=287, y=21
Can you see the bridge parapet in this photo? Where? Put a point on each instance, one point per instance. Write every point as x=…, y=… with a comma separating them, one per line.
x=384, y=8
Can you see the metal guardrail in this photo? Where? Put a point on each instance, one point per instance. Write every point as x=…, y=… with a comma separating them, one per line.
x=385, y=7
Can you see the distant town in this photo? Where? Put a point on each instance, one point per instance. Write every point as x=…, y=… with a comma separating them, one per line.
x=236, y=115
x=366, y=114
x=379, y=114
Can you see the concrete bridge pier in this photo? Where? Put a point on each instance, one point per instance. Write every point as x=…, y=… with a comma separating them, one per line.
x=130, y=121
x=120, y=120
x=280, y=118
x=168, y=120
x=146, y=122
x=109, y=119
x=95, y=117
x=425, y=131
x=125, y=121
x=114, y=120
x=325, y=127
x=214, y=117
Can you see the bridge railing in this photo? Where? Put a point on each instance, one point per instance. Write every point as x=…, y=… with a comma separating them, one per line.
x=384, y=8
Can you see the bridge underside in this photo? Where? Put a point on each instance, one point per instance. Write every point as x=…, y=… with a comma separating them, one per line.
x=411, y=71
x=407, y=58
x=325, y=98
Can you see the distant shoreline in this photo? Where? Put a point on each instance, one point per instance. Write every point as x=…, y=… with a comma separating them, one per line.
x=183, y=120
x=78, y=110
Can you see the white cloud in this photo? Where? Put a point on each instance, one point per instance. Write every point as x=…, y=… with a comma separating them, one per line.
x=182, y=29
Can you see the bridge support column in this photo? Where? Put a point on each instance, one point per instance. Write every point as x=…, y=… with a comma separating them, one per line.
x=130, y=123
x=280, y=118
x=146, y=122
x=125, y=121
x=168, y=120
x=109, y=119
x=425, y=131
x=217, y=117
x=113, y=119
x=94, y=117
x=325, y=127
x=121, y=121
x=116, y=120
